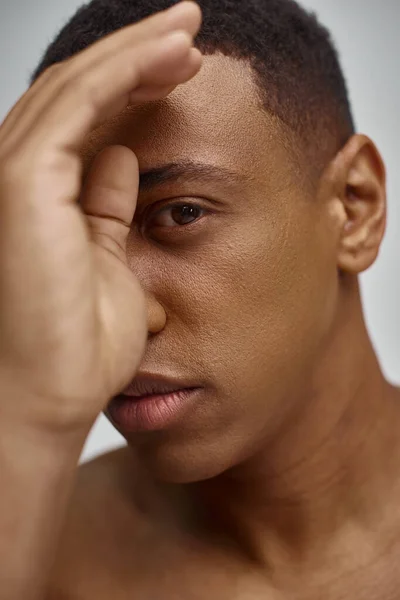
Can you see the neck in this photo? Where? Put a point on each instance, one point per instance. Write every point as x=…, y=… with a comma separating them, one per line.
x=331, y=473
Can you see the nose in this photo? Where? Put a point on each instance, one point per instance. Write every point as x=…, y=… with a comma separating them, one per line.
x=156, y=315
x=142, y=263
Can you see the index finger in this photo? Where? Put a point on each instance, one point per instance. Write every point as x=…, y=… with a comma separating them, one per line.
x=185, y=16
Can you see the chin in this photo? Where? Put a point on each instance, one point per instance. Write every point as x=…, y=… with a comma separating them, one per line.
x=181, y=464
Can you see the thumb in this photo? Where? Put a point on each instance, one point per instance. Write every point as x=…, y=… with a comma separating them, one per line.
x=109, y=198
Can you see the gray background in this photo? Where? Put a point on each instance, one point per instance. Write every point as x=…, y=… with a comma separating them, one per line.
x=366, y=34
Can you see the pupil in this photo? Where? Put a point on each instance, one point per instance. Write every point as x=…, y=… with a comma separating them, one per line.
x=185, y=214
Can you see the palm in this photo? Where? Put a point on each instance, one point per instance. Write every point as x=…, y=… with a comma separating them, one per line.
x=72, y=315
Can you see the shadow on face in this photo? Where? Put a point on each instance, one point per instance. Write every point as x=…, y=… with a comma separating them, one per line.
x=235, y=253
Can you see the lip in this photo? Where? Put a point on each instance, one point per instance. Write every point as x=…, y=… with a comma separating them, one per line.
x=152, y=403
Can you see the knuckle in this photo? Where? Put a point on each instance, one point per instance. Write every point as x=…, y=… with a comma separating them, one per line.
x=57, y=66
x=23, y=167
x=86, y=87
x=51, y=71
x=11, y=169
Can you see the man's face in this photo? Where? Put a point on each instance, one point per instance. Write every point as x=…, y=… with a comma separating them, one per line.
x=247, y=276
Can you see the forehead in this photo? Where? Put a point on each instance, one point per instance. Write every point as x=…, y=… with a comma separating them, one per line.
x=216, y=118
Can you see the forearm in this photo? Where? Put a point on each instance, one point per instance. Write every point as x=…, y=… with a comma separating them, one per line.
x=37, y=471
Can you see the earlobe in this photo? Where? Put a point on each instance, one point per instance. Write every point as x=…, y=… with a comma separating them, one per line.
x=364, y=202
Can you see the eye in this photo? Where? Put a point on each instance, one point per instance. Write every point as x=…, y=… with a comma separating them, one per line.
x=177, y=215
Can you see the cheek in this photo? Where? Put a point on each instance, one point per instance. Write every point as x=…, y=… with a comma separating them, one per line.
x=256, y=306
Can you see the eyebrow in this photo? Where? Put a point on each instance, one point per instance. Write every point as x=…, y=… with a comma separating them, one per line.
x=189, y=171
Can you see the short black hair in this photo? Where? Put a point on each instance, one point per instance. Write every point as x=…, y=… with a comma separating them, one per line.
x=294, y=60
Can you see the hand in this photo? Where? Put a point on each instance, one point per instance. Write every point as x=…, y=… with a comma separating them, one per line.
x=72, y=315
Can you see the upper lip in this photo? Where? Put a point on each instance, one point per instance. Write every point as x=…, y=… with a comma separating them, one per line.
x=152, y=384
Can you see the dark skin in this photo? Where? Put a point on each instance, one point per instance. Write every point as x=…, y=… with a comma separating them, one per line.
x=283, y=482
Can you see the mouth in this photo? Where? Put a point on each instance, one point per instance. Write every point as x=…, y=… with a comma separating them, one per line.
x=152, y=403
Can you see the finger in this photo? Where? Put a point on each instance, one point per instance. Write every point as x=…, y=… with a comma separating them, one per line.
x=159, y=84
x=19, y=114
x=85, y=102
x=150, y=93
x=109, y=197
x=185, y=16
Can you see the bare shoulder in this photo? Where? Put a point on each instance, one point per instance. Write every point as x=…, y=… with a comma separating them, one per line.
x=104, y=486
x=102, y=519
x=111, y=476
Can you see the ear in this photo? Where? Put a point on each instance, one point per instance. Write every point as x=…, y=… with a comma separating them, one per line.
x=357, y=179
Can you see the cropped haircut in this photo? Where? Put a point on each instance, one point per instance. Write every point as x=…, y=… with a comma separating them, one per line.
x=295, y=65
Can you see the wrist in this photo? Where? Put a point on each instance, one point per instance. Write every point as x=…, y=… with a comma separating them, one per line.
x=54, y=420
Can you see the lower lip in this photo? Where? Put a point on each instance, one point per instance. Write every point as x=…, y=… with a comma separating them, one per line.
x=150, y=413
